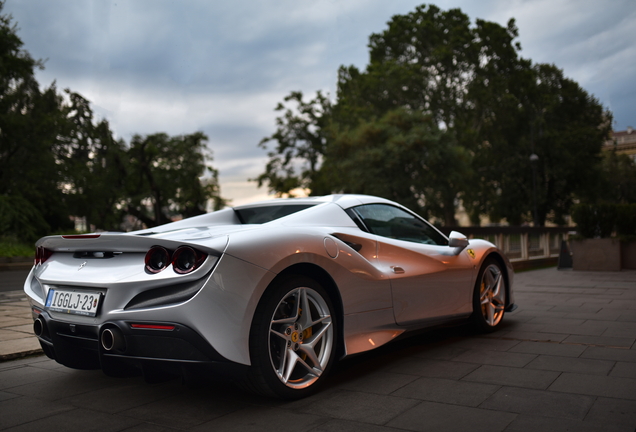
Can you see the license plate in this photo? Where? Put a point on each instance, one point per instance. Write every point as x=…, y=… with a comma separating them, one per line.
x=78, y=302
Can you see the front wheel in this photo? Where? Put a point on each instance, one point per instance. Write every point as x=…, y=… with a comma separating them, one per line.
x=489, y=297
x=293, y=339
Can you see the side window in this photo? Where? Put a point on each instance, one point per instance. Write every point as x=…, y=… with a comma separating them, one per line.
x=393, y=222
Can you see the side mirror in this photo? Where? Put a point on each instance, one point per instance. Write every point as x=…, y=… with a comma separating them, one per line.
x=457, y=240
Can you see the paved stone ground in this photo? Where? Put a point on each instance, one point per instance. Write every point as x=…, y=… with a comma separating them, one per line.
x=564, y=361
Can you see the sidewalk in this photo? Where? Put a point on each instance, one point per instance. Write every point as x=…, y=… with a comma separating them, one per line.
x=564, y=360
x=16, y=327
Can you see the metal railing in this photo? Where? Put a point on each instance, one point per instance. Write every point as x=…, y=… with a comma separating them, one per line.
x=525, y=247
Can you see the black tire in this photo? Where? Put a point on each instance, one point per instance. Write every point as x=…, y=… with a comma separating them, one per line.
x=292, y=351
x=489, y=297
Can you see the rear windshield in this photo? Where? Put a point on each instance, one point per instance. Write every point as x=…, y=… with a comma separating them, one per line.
x=264, y=214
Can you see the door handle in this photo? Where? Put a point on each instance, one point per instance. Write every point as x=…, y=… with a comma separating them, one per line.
x=397, y=269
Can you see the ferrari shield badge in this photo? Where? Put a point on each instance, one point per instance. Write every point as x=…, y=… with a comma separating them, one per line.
x=471, y=253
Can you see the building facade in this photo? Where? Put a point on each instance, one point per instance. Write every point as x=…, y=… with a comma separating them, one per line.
x=623, y=142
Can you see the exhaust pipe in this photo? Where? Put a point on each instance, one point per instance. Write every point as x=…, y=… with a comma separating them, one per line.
x=113, y=340
x=39, y=327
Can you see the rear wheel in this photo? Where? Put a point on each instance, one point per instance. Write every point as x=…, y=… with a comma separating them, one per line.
x=292, y=340
x=489, y=297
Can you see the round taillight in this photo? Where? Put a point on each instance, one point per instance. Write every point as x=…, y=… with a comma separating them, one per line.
x=187, y=259
x=157, y=259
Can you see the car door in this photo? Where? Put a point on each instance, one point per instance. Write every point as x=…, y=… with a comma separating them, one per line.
x=428, y=279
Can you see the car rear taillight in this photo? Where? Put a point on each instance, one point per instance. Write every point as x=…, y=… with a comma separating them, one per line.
x=184, y=260
x=41, y=255
x=80, y=236
x=157, y=259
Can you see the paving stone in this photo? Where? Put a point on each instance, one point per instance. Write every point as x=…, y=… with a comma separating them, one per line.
x=361, y=407
x=49, y=364
x=150, y=427
x=556, y=323
x=602, y=315
x=538, y=317
x=445, y=352
x=23, y=328
x=549, y=349
x=78, y=420
x=618, y=354
x=10, y=321
x=435, y=417
x=349, y=426
x=61, y=385
x=588, y=328
x=23, y=361
x=435, y=368
x=577, y=309
x=536, y=336
x=509, y=376
x=622, y=304
x=613, y=411
x=486, y=344
x=22, y=375
x=28, y=344
x=263, y=419
x=518, y=319
x=545, y=424
x=544, y=403
x=600, y=341
x=447, y=391
x=624, y=369
x=568, y=364
x=7, y=395
x=184, y=410
x=496, y=358
x=526, y=327
x=627, y=316
x=6, y=335
x=624, y=332
x=607, y=386
x=21, y=410
x=378, y=382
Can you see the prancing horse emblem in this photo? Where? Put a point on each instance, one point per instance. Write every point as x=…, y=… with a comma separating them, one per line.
x=81, y=266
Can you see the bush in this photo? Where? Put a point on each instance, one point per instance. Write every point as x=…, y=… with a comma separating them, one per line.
x=594, y=220
x=602, y=220
x=11, y=247
x=626, y=220
x=20, y=219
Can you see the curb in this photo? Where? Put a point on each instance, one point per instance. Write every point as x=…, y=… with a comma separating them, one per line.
x=15, y=263
x=15, y=266
x=19, y=355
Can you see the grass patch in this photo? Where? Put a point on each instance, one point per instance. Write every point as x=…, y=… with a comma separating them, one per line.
x=11, y=247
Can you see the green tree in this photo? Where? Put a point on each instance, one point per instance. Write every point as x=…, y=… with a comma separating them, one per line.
x=30, y=121
x=550, y=116
x=170, y=176
x=499, y=108
x=301, y=137
x=94, y=166
x=403, y=156
x=618, y=179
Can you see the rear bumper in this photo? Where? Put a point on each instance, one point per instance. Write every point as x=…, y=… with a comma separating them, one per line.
x=173, y=348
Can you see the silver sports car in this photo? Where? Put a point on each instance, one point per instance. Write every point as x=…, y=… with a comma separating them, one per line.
x=271, y=292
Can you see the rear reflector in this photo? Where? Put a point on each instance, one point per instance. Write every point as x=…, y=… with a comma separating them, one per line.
x=153, y=326
x=81, y=236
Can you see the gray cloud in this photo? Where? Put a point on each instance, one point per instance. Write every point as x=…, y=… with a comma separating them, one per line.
x=221, y=67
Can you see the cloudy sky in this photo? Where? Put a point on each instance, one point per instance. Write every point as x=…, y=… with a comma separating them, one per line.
x=222, y=66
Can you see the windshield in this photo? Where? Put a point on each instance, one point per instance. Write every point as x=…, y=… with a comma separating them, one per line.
x=264, y=214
